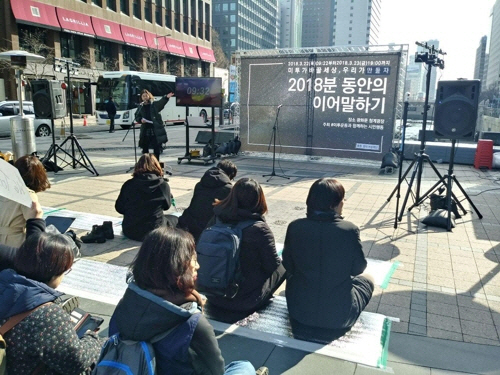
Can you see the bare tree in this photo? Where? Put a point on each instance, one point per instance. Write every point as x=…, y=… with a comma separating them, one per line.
x=152, y=57
x=95, y=68
x=221, y=60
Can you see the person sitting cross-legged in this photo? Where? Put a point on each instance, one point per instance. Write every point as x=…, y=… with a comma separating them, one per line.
x=161, y=299
x=215, y=184
x=326, y=289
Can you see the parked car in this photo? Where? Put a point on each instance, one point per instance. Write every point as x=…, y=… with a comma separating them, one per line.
x=9, y=109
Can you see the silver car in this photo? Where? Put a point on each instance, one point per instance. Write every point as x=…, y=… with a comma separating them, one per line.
x=9, y=109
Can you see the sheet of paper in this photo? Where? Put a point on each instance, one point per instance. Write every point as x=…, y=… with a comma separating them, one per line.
x=12, y=185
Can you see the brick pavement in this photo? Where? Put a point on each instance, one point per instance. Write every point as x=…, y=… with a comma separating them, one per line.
x=448, y=284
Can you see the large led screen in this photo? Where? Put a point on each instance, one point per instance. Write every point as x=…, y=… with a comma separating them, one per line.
x=331, y=105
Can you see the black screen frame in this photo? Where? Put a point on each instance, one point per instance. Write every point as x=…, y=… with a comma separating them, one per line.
x=185, y=85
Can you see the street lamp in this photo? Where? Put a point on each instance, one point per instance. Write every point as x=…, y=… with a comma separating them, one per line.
x=158, y=49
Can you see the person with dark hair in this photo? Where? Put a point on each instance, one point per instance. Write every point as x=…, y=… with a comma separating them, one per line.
x=110, y=108
x=324, y=260
x=13, y=215
x=261, y=269
x=143, y=199
x=214, y=184
x=152, y=133
x=161, y=300
x=45, y=341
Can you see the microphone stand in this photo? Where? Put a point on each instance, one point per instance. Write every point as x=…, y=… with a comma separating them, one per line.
x=273, y=139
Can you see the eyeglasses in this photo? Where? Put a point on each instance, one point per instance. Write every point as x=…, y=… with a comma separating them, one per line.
x=68, y=271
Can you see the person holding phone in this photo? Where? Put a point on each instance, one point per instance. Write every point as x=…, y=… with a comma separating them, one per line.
x=152, y=133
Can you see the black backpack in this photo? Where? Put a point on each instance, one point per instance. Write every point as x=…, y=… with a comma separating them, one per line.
x=218, y=250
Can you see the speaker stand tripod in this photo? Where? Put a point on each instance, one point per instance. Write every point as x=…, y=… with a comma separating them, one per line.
x=273, y=139
x=447, y=180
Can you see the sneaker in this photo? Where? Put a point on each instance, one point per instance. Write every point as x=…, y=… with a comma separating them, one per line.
x=262, y=371
x=68, y=303
x=96, y=235
x=107, y=227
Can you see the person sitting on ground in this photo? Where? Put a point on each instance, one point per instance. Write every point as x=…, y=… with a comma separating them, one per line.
x=215, y=184
x=152, y=133
x=143, y=199
x=162, y=298
x=45, y=341
x=13, y=215
x=326, y=289
x=261, y=269
x=35, y=224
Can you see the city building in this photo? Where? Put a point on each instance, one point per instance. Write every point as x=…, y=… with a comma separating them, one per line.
x=492, y=77
x=340, y=22
x=290, y=23
x=167, y=36
x=246, y=24
x=481, y=65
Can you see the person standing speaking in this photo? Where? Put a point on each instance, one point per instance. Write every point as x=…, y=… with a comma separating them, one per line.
x=152, y=133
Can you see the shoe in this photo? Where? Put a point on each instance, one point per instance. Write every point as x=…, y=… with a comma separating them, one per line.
x=78, y=242
x=96, y=235
x=68, y=303
x=262, y=371
x=107, y=227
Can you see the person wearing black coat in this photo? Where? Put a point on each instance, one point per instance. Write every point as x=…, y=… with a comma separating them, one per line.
x=143, y=199
x=326, y=289
x=261, y=269
x=110, y=108
x=215, y=184
x=152, y=133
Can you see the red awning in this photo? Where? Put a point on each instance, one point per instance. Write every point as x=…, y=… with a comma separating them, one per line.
x=206, y=54
x=76, y=23
x=175, y=47
x=105, y=29
x=190, y=51
x=33, y=13
x=155, y=41
x=133, y=37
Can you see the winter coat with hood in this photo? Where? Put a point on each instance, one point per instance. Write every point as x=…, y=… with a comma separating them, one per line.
x=46, y=335
x=215, y=184
x=258, y=259
x=321, y=255
x=189, y=348
x=152, y=112
x=142, y=201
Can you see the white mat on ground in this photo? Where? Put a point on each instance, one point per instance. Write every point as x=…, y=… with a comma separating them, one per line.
x=94, y=280
x=84, y=220
x=381, y=270
x=367, y=342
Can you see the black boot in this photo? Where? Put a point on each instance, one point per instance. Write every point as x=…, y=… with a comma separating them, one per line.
x=97, y=235
x=107, y=228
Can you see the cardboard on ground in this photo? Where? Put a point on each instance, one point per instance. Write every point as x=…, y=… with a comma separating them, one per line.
x=12, y=185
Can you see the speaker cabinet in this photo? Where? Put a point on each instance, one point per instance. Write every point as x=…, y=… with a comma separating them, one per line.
x=48, y=99
x=456, y=109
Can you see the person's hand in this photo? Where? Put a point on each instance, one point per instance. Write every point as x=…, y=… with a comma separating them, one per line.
x=36, y=211
x=143, y=121
x=170, y=94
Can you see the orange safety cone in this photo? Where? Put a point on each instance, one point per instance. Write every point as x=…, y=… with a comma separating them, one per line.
x=84, y=120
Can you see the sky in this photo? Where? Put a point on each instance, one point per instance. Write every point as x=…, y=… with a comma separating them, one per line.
x=457, y=24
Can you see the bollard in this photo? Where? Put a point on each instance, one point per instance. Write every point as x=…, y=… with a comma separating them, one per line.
x=84, y=120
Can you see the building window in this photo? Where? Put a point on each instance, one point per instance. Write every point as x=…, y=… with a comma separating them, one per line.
x=206, y=17
x=193, y=17
x=97, y=2
x=232, y=18
x=168, y=14
x=177, y=10
x=232, y=6
x=185, y=18
x=137, y=9
x=124, y=7
x=200, y=19
x=225, y=7
x=71, y=46
x=148, y=11
x=233, y=30
x=111, y=4
x=158, y=18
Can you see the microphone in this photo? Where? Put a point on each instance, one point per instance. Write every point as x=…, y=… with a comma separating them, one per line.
x=281, y=105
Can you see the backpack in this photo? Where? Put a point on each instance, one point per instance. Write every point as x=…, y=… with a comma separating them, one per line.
x=124, y=357
x=218, y=251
